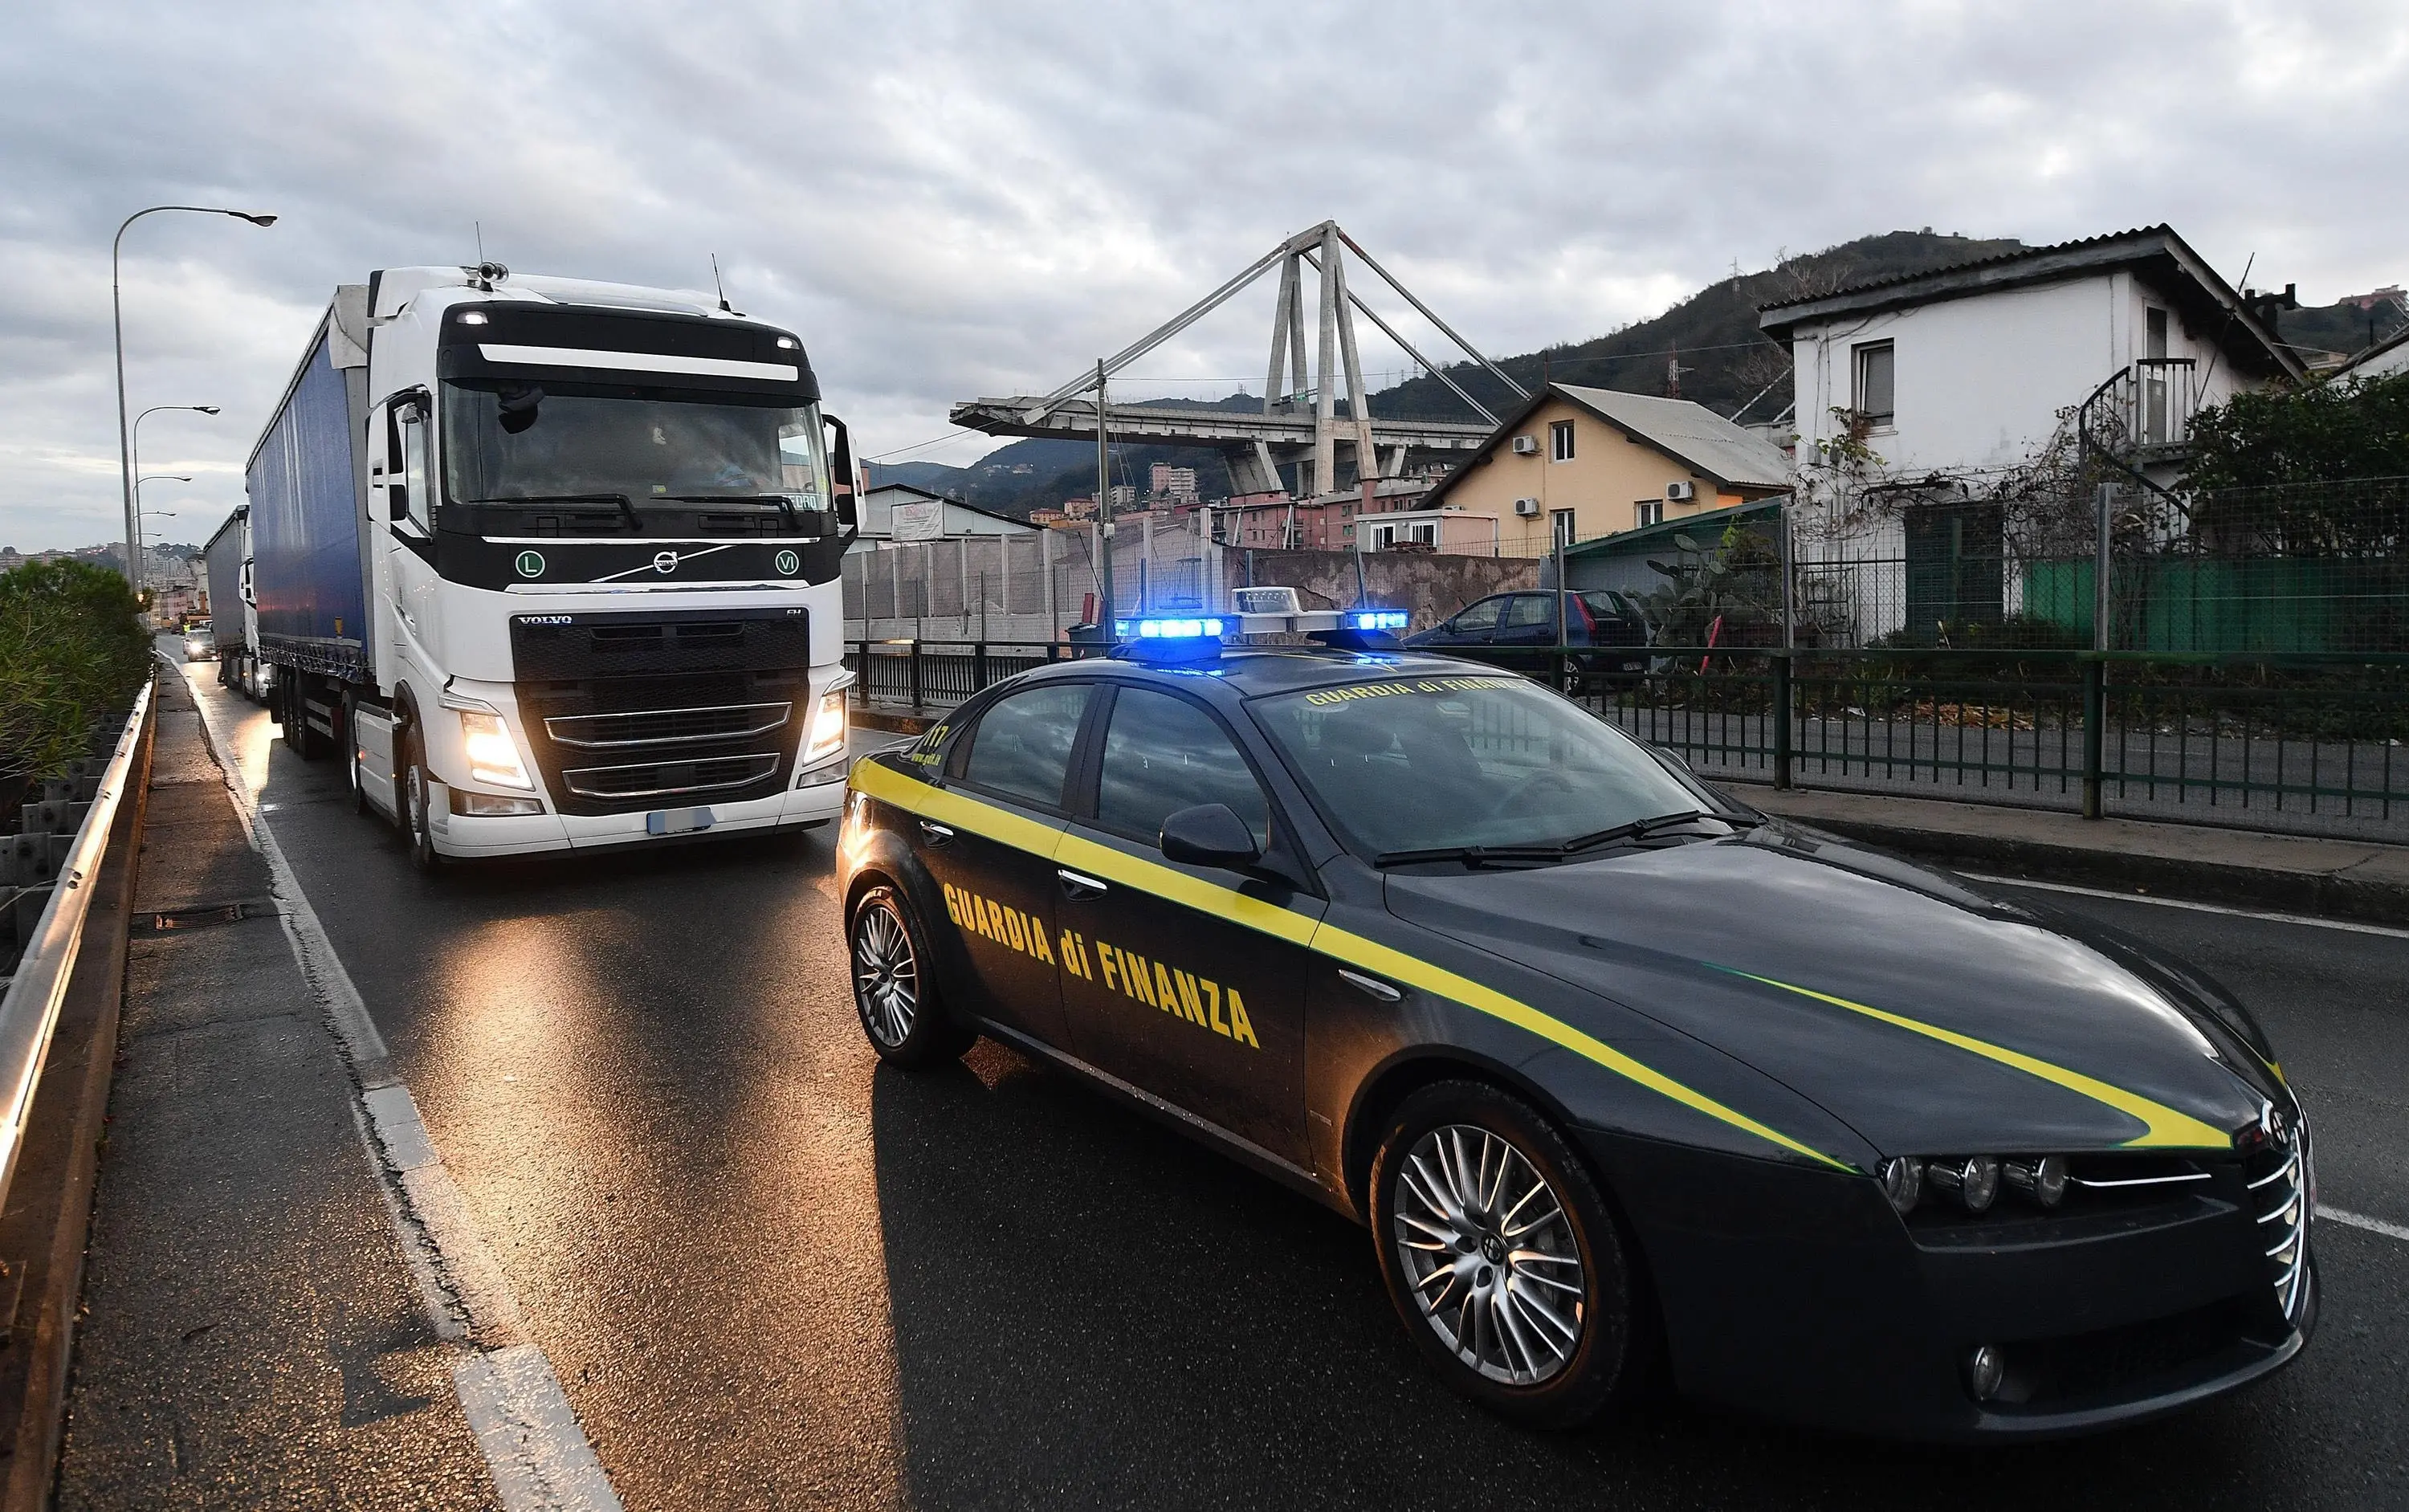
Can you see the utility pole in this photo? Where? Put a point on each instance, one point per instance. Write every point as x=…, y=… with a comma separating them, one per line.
x=1104, y=503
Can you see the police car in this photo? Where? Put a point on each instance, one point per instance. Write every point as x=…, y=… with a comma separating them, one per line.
x=1618, y=1073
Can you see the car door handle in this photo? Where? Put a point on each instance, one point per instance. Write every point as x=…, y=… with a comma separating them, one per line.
x=1076, y=886
x=1371, y=985
x=937, y=834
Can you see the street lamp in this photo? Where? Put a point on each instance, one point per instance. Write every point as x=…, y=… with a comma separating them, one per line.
x=116, y=321
x=134, y=449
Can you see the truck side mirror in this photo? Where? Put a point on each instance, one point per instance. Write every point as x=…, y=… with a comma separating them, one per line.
x=848, y=507
x=1209, y=834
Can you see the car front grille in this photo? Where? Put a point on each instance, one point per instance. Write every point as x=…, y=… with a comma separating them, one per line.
x=2276, y=1176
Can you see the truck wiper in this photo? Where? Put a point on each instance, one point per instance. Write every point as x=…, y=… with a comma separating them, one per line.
x=627, y=506
x=786, y=505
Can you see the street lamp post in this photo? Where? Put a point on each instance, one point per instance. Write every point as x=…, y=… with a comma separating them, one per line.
x=117, y=323
x=134, y=453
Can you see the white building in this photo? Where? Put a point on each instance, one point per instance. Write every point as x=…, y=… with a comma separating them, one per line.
x=900, y=512
x=1968, y=368
x=1954, y=377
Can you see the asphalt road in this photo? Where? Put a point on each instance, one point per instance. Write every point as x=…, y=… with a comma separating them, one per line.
x=770, y=1272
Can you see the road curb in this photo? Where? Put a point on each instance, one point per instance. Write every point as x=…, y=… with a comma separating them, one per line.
x=2363, y=881
x=892, y=724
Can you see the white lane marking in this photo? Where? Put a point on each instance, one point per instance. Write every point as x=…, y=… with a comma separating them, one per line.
x=538, y=1454
x=2351, y=925
x=2360, y=1220
x=522, y=1421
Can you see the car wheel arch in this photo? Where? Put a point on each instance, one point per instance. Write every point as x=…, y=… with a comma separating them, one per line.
x=1407, y=1071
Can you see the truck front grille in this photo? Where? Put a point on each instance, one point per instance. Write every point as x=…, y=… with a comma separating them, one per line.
x=666, y=727
x=650, y=782
x=633, y=710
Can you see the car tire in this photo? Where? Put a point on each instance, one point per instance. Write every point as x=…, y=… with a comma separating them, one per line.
x=902, y=1014
x=1539, y=1319
x=418, y=789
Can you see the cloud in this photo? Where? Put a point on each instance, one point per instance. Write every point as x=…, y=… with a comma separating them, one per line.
x=956, y=200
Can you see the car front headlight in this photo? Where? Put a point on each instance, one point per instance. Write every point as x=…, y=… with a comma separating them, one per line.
x=493, y=755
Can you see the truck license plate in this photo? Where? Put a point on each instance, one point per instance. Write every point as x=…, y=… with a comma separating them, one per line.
x=676, y=821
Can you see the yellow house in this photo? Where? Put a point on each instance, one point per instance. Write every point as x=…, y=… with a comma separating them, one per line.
x=1580, y=463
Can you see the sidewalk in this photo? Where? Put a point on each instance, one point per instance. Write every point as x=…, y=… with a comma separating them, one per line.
x=254, y=1336
x=2294, y=875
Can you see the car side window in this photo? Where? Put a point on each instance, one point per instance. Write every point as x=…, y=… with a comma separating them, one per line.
x=1530, y=611
x=1480, y=616
x=1162, y=755
x=1021, y=746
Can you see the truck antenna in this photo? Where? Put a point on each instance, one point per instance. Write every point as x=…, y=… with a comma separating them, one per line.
x=479, y=226
x=717, y=287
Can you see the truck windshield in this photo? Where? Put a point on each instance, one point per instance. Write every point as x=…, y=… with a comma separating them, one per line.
x=523, y=443
x=1421, y=764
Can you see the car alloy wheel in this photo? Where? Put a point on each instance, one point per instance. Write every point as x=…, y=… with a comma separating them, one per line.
x=1505, y=1259
x=885, y=974
x=899, y=1010
x=1488, y=1255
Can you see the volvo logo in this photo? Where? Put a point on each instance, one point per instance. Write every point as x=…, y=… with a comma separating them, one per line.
x=664, y=562
x=530, y=564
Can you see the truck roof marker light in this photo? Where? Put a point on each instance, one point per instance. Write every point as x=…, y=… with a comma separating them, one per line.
x=472, y=317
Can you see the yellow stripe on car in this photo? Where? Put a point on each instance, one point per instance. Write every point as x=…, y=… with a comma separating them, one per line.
x=2168, y=1129
x=1111, y=865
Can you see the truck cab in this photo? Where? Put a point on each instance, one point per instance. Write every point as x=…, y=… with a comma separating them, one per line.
x=598, y=535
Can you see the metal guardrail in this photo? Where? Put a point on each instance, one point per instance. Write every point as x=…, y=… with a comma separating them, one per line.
x=29, y=1013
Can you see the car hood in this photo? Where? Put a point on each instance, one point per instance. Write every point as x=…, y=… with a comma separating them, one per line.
x=1929, y=1018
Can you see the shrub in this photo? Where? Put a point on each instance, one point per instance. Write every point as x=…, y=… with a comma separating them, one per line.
x=72, y=652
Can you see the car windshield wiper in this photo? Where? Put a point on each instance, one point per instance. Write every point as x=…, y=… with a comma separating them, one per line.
x=1475, y=856
x=627, y=506
x=786, y=505
x=1636, y=829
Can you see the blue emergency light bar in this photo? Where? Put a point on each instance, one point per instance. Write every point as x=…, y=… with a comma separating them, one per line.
x=1375, y=619
x=1167, y=630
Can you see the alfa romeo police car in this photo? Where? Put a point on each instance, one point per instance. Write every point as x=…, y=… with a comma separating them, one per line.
x=1616, y=1070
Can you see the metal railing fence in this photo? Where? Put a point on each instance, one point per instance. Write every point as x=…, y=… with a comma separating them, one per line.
x=29, y=1011
x=2303, y=743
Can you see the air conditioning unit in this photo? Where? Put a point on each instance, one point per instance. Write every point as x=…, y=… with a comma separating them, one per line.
x=1680, y=492
x=1526, y=507
x=1526, y=446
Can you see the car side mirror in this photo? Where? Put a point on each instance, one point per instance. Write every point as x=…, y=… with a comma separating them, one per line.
x=1209, y=834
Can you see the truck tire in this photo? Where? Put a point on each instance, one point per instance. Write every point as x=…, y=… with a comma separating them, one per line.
x=418, y=789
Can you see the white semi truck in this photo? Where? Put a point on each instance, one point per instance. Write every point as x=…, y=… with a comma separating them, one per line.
x=550, y=564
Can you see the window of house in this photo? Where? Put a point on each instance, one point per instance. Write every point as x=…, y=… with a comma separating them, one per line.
x=1648, y=512
x=1877, y=370
x=1562, y=521
x=1560, y=441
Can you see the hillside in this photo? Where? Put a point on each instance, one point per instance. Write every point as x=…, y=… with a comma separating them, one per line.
x=1724, y=364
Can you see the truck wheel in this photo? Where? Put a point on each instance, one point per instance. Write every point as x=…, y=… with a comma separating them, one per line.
x=1502, y=1258
x=900, y=1012
x=418, y=791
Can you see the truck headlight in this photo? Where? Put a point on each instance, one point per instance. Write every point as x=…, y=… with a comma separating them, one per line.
x=493, y=755
x=826, y=737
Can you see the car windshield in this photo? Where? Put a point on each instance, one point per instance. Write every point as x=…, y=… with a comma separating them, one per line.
x=1437, y=763
x=522, y=443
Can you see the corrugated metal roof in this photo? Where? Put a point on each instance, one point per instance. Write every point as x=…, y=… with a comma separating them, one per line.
x=1689, y=432
x=1705, y=523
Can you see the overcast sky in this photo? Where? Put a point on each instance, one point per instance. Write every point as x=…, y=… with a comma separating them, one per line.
x=955, y=200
